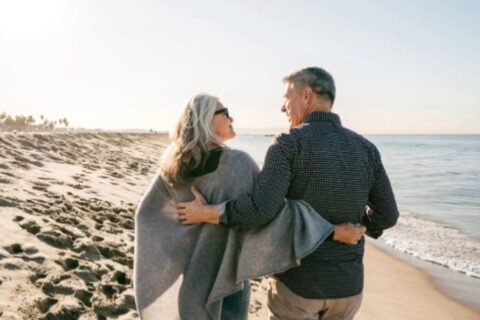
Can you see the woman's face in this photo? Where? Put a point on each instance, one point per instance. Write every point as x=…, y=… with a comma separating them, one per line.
x=222, y=124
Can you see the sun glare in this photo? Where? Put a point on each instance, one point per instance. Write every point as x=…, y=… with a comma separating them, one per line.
x=26, y=21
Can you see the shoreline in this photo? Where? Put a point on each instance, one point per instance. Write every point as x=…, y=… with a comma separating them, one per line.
x=419, y=291
x=454, y=284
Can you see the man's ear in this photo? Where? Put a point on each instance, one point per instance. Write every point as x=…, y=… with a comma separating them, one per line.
x=307, y=94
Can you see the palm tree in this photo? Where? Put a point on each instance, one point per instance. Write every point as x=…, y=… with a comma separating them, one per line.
x=30, y=120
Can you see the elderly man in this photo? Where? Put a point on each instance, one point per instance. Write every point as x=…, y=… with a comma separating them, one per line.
x=338, y=172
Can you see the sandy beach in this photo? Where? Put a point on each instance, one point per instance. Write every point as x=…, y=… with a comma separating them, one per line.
x=67, y=204
x=397, y=290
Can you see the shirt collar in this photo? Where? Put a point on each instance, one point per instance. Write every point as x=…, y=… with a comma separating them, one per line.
x=323, y=116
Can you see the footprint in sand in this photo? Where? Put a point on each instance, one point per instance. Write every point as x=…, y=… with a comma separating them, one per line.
x=11, y=266
x=69, y=221
x=18, y=218
x=112, y=218
x=84, y=296
x=255, y=305
x=128, y=224
x=77, y=178
x=31, y=226
x=30, y=250
x=55, y=239
x=37, y=157
x=87, y=249
x=116, y=174
x=51, y=289
x=76, y=186
x=9, y=174
x=116, y=255
x=97, y=238
x=108, y=290
x=39, y=259
x=67, y=206
x=26, y=144
x=88, y=276
x=68, y=308
x=38, y=275
x=120, y=277
x=83, y=227
x=113, y=307
x=45, y=304
x=40, y=186
x=5, y=181
x=68, y=263
x=9, y=316
x=15, y=248
x=4, y=166
x=119, y=210
x=5, y=202
x=254, y=285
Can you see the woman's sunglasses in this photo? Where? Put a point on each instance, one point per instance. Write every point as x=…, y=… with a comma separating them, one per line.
x=223, y=111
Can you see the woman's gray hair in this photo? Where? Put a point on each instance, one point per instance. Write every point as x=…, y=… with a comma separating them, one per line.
x=191, y=139
x=318, y=79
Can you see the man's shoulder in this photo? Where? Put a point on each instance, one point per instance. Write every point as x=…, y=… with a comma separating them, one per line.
x=293, y=135
x=305, y=130
x=359, y=138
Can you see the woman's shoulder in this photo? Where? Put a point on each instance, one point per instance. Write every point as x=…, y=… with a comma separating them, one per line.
x=239, y=160
x=160, y=183
x=238, y=156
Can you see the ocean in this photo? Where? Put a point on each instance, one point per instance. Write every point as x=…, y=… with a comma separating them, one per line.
x=436, y=181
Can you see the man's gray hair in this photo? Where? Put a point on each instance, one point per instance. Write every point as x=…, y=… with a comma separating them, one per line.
x=318, y=79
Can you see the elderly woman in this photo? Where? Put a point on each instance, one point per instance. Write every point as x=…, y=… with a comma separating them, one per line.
x=188, y=271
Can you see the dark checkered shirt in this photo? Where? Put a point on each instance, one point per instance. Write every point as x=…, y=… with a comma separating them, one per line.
x=337, y=172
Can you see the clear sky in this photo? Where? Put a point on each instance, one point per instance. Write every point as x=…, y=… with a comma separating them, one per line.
x=399, y=66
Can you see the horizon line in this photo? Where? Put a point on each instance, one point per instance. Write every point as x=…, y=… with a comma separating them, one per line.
x=248, y=131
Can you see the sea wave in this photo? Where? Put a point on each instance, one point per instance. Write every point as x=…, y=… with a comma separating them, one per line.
x=436, y=243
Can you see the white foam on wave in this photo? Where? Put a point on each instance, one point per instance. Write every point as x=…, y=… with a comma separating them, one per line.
x=434, y=242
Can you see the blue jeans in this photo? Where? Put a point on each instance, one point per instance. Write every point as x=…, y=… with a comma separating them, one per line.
x=235, y=306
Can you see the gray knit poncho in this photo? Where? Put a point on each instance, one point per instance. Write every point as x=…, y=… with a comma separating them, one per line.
x=185, y=272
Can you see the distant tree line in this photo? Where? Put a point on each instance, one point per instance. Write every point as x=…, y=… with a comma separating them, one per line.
x=28, y=123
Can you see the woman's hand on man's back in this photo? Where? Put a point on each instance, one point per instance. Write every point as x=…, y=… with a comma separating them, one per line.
x=349, y=233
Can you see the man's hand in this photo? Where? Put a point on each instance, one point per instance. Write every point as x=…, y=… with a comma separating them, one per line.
x=197, y=211
x=349, y=233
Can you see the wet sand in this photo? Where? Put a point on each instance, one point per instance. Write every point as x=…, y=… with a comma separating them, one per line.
x=397, y=290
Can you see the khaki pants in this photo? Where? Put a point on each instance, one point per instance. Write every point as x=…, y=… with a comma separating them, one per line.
x=283, y=304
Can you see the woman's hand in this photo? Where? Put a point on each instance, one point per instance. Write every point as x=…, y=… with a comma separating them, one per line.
x=349, y=233
x=197, y=211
